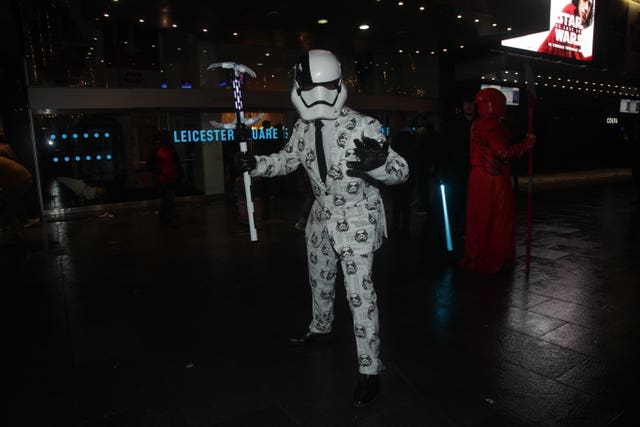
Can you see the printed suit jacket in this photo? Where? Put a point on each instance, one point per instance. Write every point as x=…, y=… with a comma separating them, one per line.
x=347, y=210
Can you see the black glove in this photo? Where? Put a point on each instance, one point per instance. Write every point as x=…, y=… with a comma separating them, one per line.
x=245, y=162
x=371, y=156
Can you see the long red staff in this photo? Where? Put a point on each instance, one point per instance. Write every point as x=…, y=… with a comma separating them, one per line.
x=532, y=100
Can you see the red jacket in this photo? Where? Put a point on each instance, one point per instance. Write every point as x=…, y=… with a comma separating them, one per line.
x=166, y=164
x=490, y=149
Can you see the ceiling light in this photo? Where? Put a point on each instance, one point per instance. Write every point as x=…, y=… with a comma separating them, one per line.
x=461, y=46
x=364, y=27
x=494, y=25
x=267, y=54
x=323, y=21
x=508, y=28
x=400, y=51
x=421, y=8
x=175, y=25
x=476, y=20
x=106, y=15
x=141, y=21
x=459, y=16
x=235, y=34
x=204, y=30
x=400, y=3
x=444, y=50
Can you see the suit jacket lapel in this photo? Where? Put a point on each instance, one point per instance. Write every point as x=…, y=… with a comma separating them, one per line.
x=339, y=143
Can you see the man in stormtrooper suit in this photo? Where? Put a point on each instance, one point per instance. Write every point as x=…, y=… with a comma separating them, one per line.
x=347, y=157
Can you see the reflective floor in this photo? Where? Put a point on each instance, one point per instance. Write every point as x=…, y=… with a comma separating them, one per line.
x=115, y=320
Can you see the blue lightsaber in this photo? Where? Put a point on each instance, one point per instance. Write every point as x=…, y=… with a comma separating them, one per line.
x=445, y=214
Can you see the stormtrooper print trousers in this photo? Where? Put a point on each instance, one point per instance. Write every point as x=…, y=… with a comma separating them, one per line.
x=356, y=268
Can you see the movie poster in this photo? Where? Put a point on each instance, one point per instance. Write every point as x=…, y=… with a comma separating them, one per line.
x=570, y=33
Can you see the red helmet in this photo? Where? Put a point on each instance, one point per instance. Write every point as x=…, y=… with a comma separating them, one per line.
x=491, y=102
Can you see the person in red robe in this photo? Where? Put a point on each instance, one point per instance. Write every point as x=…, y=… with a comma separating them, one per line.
x=490, y=230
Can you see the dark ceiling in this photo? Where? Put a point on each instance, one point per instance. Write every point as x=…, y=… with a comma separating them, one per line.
x=293, y=24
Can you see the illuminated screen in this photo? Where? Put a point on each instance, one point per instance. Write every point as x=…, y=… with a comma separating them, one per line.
x=511, y=93
x=570, y=33
x=630, y=106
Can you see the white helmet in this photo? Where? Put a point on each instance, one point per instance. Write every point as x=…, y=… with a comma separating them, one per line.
x=318, y=90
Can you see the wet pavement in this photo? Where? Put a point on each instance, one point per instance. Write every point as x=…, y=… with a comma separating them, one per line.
x=115, y=320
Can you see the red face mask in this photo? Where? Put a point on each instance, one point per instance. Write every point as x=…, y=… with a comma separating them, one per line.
x=491, y=102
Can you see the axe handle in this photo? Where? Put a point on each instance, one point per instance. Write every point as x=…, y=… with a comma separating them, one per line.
x=247, y=194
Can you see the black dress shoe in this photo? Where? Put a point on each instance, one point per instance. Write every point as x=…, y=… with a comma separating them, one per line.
x=309, y=339
x=366, y=391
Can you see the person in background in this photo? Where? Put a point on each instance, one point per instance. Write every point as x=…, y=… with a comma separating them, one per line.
x=635, y=156
x=457, y=137
x=490, y=229
x=403, y=141
x=421, y=173
x=15, y=181
x=347, y=159
x=164, y=164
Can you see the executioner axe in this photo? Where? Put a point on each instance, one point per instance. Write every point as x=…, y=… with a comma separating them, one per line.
x=240, y=125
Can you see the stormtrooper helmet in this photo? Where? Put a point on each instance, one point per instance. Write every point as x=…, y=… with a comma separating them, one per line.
x=318, y=90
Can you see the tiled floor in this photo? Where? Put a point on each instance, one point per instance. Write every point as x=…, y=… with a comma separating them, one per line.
x=118, y=321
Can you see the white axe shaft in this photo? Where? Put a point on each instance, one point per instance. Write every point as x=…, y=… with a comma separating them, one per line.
x=249, y=201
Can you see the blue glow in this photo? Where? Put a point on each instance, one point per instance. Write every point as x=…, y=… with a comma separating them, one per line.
x=96, y=135
x=56, y=160
x=98, y=157
x=88, y=157
x=445, y=214
x=66, y=158
x=64, y=136
x=186, y=85
x=52, y=136
x=85, y=135
x=77, y=158
x=108, y=156
x=163, y=85
x=107, y=134
x=75, y=136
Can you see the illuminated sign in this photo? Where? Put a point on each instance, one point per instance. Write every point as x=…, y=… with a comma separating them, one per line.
x=612, y=120
x=221, y=135
x=511, y=93
x=630, y=106
x=570, y=32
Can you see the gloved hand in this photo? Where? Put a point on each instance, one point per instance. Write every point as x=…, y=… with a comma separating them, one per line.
x=245, y=162
x=371, y=154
